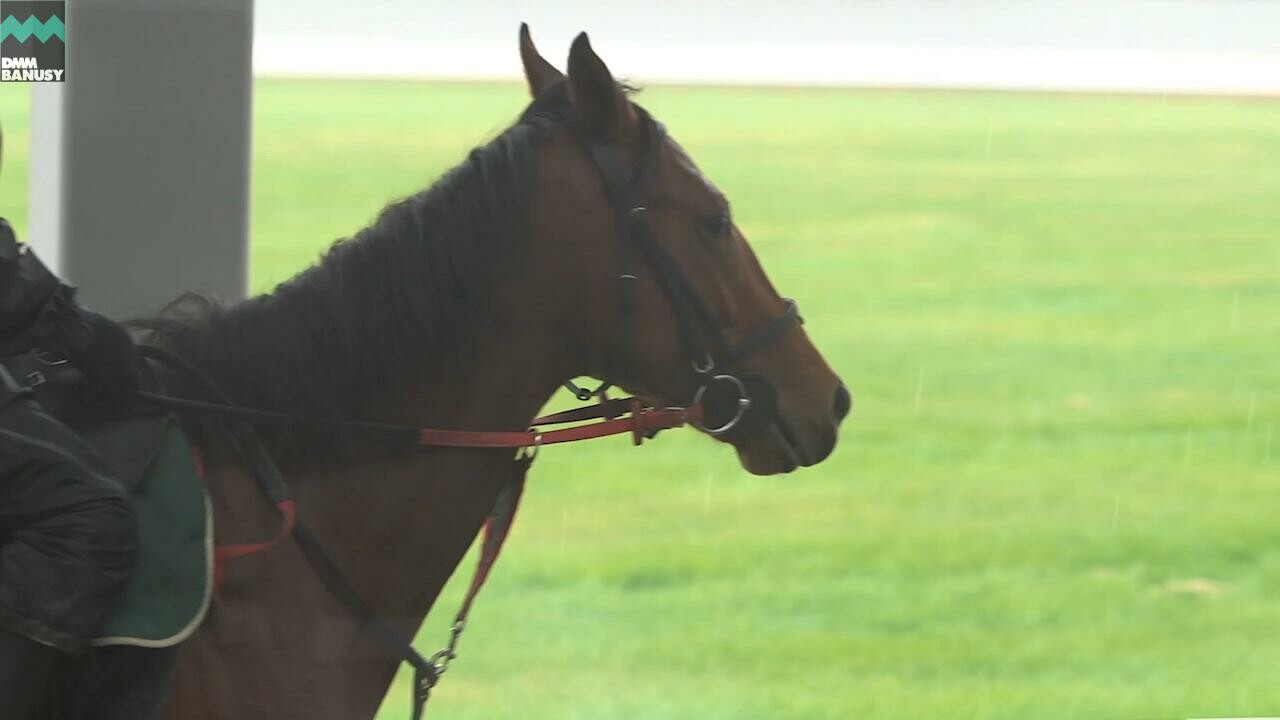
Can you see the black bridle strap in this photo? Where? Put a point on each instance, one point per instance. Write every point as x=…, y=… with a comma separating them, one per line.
x=700, y=334
x=621, y=189
x=634, y=233
x=764, y=335
x=693, y=320
x=619, y=365
x=425, y=673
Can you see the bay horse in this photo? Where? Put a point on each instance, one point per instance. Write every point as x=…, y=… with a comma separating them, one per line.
x=465, y=306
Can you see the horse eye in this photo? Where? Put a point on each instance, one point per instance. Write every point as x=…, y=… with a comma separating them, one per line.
x=715, y=227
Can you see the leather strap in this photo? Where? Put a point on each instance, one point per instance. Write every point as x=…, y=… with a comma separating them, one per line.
x=700, y=334
x=225, y=553
x=248, y=447
x=640, y=423
x=606, y=408
x=496, y=530
x=766, y=334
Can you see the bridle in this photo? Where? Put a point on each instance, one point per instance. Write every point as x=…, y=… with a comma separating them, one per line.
x=751, y=400
x=710, y=355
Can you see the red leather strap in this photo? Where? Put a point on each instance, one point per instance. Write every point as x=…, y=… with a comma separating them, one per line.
x=639, y=424
x=496, y=529
x=223, y=553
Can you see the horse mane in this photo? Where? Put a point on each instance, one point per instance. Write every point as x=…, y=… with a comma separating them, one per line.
x=407, y=287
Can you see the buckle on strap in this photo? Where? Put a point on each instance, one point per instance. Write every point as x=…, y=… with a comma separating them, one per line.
x=585, y=394
x=530, y=452
x=743, y=403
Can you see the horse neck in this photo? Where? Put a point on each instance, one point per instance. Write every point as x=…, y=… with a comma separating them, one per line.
x=402, y=506
x=397, y=522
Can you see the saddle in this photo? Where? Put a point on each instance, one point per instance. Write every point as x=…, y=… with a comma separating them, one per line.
x=149, y=453
x=42, y=329
x=169, y=592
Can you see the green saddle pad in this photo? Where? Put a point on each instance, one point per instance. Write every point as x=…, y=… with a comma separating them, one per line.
x=169, y=592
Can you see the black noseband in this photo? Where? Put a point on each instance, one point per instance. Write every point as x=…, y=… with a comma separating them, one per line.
x=743, y=401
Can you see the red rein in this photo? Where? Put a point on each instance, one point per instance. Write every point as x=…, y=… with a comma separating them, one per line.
x=640, y=421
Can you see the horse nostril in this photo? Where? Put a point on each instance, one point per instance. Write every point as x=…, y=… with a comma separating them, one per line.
x=843, y=402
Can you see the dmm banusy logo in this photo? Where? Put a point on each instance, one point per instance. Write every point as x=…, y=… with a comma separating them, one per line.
x=33, y=41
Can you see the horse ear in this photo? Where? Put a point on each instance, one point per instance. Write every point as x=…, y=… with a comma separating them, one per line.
x=598, y=99
x=538, y=72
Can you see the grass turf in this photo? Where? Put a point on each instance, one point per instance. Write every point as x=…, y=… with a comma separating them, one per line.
x=1057, y=495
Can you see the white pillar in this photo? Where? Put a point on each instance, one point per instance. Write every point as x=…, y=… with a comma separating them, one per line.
x=140, y=160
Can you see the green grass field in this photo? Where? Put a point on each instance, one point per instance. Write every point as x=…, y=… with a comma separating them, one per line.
x=1058, y=495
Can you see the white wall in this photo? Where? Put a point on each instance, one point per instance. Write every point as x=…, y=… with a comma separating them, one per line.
x=1217, y=46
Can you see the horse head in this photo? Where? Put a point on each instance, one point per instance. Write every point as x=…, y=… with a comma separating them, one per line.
x=674, y=305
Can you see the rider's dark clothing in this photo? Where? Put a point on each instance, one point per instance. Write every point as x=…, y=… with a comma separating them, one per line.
x=67, y=529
